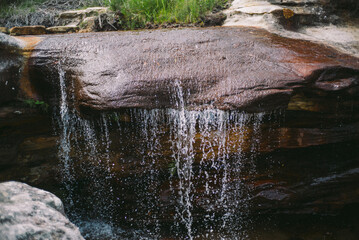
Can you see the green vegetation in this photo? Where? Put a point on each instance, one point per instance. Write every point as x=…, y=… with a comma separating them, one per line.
x=137, y=13
x=32, y=103
x=172, y=168
x=132, y=13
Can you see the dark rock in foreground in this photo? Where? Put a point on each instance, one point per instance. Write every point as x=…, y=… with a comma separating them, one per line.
x=224, y=68
x=31, y=213
x=11, y=62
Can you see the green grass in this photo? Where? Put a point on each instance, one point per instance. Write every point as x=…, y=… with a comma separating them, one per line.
x=136, y=13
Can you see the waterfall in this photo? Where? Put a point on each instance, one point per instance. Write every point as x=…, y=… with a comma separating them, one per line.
x=80, y=139
x=162, y=172
x=65, y=135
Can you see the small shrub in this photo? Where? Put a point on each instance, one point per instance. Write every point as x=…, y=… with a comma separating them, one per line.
x=172, y=168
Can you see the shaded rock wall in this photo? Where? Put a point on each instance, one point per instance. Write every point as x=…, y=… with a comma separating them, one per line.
x=27, y=143
x=28, y=150
x=11, y=64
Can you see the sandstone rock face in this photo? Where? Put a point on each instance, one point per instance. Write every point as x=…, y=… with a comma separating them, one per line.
x=224, y=68
x=88, y=12
x=11, y=62
x=84, y=19
x=31, y=213
x=28, y=30
x=333, y=23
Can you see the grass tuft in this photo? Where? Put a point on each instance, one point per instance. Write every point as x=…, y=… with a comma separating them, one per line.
x=133, y=14
x=137, y=13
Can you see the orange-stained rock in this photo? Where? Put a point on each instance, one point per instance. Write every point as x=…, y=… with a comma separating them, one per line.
x=27, y=89
x=28, y=30
x=4, y=30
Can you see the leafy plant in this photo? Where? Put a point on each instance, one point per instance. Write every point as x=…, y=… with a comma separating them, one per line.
x=114, y=117
x=172, y=168
x=32, y=103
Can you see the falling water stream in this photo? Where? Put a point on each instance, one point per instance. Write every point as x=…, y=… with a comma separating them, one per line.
x=147, y=174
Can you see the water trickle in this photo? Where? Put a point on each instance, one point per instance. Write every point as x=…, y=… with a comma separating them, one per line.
x=65, y=134
x=80, y=141
x=183, y=129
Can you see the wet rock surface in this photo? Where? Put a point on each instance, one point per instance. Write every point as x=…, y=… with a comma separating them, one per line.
x=30, y=213
x=11, y=63
x=225, y=68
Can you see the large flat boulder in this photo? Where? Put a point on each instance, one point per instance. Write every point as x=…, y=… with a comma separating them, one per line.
x=31, y=213
x=225, y=68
